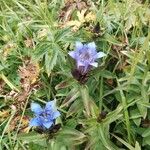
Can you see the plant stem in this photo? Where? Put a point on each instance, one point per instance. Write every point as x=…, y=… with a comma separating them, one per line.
x=85, y=98
x=126, y=114
x=101, y=94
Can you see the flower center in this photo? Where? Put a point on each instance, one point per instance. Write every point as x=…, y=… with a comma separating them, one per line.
x=84, y=56
x=46, y=115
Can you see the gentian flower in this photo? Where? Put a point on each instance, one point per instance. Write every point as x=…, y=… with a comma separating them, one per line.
x=85, y=56
x=44, y=117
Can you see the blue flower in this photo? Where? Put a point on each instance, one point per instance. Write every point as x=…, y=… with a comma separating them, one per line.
x=85, y=56
x=44, y=117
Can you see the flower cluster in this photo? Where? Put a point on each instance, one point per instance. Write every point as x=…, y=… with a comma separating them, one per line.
x=85, y=56
x=44, y=117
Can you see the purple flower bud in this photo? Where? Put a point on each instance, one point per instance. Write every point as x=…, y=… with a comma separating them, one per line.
x=85, y=56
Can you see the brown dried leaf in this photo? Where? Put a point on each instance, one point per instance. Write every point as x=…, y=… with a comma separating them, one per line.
x=62, y=85
x=69, y=1
x=110, y=82
x=81, y=5
x=8, y=48
x=90, y=17
x=70, y=6
x=83, y=17
x=16, y=120
x=11, y=94
x=29, y=43
x=66, y=12
x=42, y=33
x=2, y=84
x=29, y=73
x=20, y=98
x=4, y=114
x=122, y=66
x=145, y=123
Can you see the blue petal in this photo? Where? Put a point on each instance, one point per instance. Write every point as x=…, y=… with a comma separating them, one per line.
x=79, y=45
x=100, y=55
x=34, y=122
x=50, y=105
x=47, y=124
x=72, y=54
x=92, y=46
x=56, y=114
x=79, y=63
x=95, y=64
x=36, y=108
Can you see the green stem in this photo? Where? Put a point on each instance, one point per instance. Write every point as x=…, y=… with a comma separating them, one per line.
x=101, y=94
x=126, y=114
x=85, y=98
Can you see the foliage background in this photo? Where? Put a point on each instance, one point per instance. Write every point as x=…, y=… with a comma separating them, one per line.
x=111, y=111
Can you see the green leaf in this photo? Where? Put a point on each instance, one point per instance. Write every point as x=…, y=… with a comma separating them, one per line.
x=146, y=141
x=50, y=60
x=102, y=133
x=137, y=121
x=137, y=146
x=142, y=109
x=145, y=46
x=70, y=137
x=85, y=98
x=64, y=84
x=130, y=147
x=74, y=108
x=114, y=115
x=33, y=137
x=60, y=52
x=112, y=39
x=107, y=74
x=55, y=145
x=41, y=50
x=10, y=84
x=146, y=133
x=72, y=96
x=136, y=116
x=131, y=21
x=61, y=34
